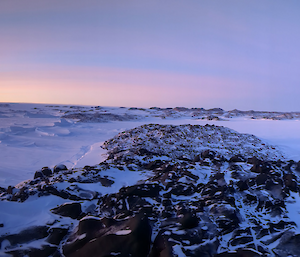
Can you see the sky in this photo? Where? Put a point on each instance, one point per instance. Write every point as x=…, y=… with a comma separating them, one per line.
x=241, y=54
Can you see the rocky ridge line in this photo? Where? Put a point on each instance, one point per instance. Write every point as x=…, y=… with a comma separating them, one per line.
x=207, y=206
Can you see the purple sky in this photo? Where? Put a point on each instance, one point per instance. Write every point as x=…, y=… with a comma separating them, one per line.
x=240, y=54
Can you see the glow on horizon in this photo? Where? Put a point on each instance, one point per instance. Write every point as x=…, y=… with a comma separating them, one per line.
x=124, y=87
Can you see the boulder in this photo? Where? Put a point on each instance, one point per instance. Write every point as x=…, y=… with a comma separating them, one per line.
x=27, y=235
x=56, y=235
x=288, y=246
x=130, y=237
x=72, y=210
x=59, y=167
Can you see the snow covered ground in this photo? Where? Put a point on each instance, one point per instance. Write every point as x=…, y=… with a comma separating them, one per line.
x=36, y=135
x=256, y=206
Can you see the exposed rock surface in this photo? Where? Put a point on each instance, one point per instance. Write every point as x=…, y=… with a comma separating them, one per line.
x=191, y=203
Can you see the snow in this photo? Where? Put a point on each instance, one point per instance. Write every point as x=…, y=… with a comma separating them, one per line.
x=34, y=213
x=123, y=232
x=35, y=135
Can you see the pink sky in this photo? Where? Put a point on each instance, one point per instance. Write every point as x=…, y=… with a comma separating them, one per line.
x=231, y=54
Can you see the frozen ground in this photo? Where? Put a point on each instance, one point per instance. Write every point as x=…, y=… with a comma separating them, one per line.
x=153, y=167
x=35, y=135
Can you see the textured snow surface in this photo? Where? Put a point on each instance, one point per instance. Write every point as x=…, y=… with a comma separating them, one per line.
x=238, y=204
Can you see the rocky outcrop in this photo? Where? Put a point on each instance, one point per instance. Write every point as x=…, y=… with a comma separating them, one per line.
x=201, y=205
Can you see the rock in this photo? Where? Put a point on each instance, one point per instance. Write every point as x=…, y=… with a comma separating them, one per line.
x=197, y=158
x=27, y=235
x=153, y=165
x=59, y=167
x=38, y=174
x=21, y=195
x=297, y=168
x=52, y=190
x=10, y=189
x=131, y=237
x=189, y=220
x=242, y=185
x=106, y=182
x=72, y=210
x=46, y=171
x=208, y=154
x=261, y=179
x=56, y=235
x=226, y=217
x=162, y=247
x=89, y=225
x=290, y=182
x=237, y=158
x=141, y=190
x=289, y=246
x=183, y=189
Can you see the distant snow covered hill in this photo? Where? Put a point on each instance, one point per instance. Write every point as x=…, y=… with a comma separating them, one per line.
x=104, y=114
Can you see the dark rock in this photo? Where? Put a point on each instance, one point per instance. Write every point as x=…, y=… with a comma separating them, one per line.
x=59, y=167
x=52, y=190
x=290, y=182
x=183, y=189
x=38, y=174
x=189, y=220
x=162, y=247
x=197, y=158
x=241, y=240
x=254, y=160
x=46, y=171
x=72, y=210
x=208, y=154
x=297, y=168
x=72, y=180
x=106, y=182
x=242, y=185
x=91, y=225
x=10, y=190
x=260, y=166
x=109, y=240
x=227, y=219
x=261, y=179
x=250, y=199
x=288, y=246
x=20, y=195
x=27, y=235
x=143, y=151
x=56, y=235
x=142, y=190
x=153, y=165
x=237, y=158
